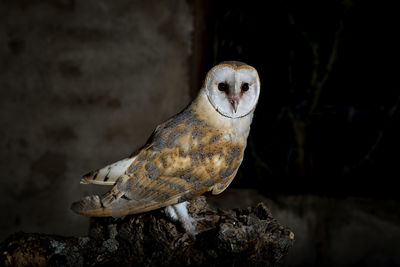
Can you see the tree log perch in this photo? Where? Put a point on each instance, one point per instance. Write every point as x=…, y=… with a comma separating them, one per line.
x=239, y=237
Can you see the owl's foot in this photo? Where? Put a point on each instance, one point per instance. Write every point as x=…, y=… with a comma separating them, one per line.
x=179, y=212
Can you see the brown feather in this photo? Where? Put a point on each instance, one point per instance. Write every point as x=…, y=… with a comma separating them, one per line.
x=184, y=158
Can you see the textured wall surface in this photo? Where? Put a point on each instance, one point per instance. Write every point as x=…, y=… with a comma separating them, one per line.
x=82, y=84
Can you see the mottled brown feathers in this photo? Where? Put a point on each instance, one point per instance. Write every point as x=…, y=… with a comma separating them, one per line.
x=184, y=158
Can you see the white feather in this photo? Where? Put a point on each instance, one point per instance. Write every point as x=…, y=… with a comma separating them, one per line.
x=109, y=174
x=170, y=211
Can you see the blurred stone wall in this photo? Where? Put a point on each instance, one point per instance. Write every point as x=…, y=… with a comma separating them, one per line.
x=82, y=84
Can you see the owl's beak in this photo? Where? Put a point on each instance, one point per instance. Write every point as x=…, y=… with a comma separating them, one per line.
x=234, y=100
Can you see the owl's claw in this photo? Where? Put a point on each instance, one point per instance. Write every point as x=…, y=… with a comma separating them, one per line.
x=190, y=225
x=179, y=212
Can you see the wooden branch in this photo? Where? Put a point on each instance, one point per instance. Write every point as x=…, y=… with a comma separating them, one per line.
x=247, y=237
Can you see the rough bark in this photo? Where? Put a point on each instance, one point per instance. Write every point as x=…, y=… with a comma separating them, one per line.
x=245, y=237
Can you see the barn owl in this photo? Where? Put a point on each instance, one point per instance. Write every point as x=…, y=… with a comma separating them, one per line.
x=196, y=151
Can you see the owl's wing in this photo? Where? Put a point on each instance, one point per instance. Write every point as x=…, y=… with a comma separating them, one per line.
x=152, y=180
x=182, y=159
x=220, y=187
x=146, y=186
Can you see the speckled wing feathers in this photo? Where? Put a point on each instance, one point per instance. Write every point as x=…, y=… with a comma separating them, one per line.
x=184, y=158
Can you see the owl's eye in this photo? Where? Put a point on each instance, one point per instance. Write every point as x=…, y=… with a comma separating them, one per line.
x=245, y=87
x=223, y=86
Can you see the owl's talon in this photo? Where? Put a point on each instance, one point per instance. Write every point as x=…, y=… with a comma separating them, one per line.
x=179, y=212
x=190, y=225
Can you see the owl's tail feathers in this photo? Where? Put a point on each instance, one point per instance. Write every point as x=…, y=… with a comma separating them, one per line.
x=107, y=205
x=90, y=206
x=114, y=205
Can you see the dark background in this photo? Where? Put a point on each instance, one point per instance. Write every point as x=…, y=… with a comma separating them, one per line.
x=323, y=149
x=327, y=120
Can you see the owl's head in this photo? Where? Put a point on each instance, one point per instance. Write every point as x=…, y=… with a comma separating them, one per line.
x=232, y=88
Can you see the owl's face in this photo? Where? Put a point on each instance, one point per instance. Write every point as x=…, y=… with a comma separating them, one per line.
x=233, y=89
